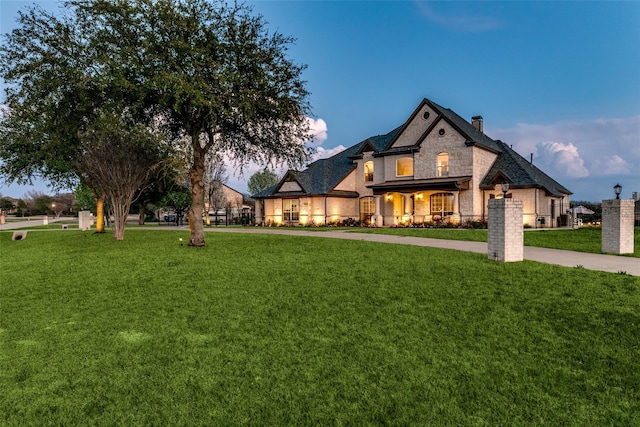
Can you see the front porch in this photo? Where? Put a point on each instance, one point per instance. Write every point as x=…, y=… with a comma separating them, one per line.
x=430, y=201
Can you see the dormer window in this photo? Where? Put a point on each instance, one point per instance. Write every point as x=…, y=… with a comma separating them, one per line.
x=368, y=171
x=443, y=164
x=404, y=166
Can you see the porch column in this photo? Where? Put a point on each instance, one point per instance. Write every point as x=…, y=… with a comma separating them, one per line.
x=456, y=206
x=259, y=211
x=407, y=207
x=378, y=215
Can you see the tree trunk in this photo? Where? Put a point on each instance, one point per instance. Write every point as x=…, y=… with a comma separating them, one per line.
x=100, y=213
x=120, y=213
x=196, y=174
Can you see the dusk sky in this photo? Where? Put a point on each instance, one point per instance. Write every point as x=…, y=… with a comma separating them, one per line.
x=560, y=80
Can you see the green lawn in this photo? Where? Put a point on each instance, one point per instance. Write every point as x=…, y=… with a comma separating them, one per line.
x=588, y=239
x=285, y=330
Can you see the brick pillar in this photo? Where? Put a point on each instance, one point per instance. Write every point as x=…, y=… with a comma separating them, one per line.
x=84, y=220
x=506, y=234
x=617, y=226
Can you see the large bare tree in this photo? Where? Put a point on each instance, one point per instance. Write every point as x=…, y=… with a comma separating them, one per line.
x=121, y=159
x=215, y=73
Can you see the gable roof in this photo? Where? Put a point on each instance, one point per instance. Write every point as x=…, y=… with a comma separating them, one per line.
x=472, y=135
x=519, y=172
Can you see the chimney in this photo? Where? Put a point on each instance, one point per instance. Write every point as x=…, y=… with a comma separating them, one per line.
x=476, y=121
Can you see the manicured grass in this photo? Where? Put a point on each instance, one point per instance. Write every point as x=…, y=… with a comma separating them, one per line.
x=285, y=330
x=587, y=239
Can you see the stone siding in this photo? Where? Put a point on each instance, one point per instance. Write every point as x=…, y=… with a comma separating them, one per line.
x=349, y=183
x=460, y=156
x=416, y=128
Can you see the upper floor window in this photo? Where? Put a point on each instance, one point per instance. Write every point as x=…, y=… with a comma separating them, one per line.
x=404, y=166
x=443, y=164
x=368, y=171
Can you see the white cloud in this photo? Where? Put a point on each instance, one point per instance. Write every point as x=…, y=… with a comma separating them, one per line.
x=571, y=149
x=324, y=153
x=562, y=159
x=318, y=129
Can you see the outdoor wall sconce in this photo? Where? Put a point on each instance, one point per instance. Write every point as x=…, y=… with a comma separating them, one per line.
x=505, y=188
x=419, y=196
x=617, y=189
x=388, y=196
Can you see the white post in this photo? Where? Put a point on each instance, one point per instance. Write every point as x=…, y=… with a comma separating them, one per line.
x=407, y=208
x=378, y=216
x=259, y=211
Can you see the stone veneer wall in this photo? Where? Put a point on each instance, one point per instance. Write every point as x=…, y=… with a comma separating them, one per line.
x=617, y=226
x=506, y=234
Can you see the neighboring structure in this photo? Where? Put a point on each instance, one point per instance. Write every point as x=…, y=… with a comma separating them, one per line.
x=229, y=204
x=436, y=167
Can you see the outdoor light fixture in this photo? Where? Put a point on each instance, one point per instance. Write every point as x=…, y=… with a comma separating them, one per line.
x=617, y=189
x=505, y=188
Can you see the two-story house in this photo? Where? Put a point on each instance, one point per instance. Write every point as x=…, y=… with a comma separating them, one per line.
x=435, y=167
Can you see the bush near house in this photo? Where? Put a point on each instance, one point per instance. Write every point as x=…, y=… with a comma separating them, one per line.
x=284, y=330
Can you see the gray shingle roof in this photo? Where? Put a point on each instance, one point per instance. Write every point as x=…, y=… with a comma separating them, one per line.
x=519, y=172
x=321, y=176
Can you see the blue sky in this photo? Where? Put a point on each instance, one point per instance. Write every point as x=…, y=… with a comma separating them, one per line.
x=560, y=80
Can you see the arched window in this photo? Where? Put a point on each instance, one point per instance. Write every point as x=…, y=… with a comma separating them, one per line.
x=367, y=208
x=404, y=166
x=443, y=164
x=368, y=171
x=442, y=204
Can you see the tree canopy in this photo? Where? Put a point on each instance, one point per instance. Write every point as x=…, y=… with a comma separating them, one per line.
x=261, y=180
x=209, y=73
x=216, y=75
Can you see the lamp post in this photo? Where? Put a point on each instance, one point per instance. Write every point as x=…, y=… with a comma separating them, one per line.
x=505, y=188
x=617, y=189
